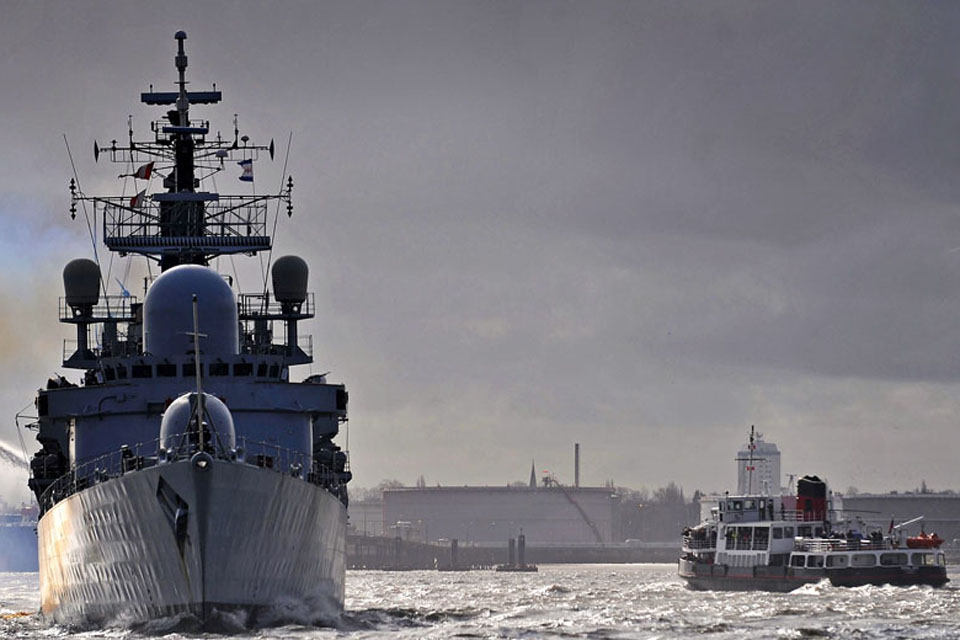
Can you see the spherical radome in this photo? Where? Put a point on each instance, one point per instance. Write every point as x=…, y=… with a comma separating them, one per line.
x=168, y=313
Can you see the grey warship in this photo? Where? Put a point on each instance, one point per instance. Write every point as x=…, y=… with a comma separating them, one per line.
x=185, y=473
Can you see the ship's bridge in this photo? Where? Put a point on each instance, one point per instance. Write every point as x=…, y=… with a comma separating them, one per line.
x=748, y=508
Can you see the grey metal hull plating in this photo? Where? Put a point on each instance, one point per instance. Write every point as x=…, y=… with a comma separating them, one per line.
x=244, y=538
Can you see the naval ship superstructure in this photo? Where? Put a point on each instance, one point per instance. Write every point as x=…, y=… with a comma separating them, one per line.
x=185, y=472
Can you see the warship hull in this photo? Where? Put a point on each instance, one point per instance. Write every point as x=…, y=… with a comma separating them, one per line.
x=189, y=538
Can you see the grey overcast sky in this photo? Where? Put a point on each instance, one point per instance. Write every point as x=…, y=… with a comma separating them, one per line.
x=641, y=226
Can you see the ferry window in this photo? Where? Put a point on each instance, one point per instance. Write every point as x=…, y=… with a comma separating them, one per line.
x=219, y=369
x=749, y=505
x=788, y=532
x=744, y=538
x=778, y=559
x=243, y=369
x=893, y=559
x=805, y=532
x=777, y=533
x=761, y=538
x=863, y=560
x=731, y=537
x=737, y=505
x=121, y=373
x=141, y=371
x=941, y=559
x=763, y=505
x=262, y=370
x=814, y=561
x=922, y=559
x=189, y=370
x=837, y=561
x=796, y=561
x=166, y=370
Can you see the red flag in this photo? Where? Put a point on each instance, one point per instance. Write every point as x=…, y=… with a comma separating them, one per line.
x=137, y=201
x=143, y=173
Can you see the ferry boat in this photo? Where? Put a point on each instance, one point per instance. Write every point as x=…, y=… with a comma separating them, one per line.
x=779, y=543
x=185, y=472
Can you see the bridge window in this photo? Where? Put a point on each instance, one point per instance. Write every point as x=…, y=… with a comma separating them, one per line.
x=262, y=370
x=166, y=370
x=219, y=369
x=243, y=369
x=121, y=372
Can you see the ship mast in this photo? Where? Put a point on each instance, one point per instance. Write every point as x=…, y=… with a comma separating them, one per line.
x=184, y=225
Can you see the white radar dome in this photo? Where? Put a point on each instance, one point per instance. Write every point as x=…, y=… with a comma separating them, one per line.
x=219, y=431
x=168, y=313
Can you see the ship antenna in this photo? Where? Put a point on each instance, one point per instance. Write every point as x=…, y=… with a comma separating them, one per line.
x=750, y=463
x=196, y=364
x=181, y=62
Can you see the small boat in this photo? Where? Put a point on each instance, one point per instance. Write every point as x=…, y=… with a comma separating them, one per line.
x=924, y=541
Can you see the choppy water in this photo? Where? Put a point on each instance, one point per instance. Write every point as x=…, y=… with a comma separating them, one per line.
x=583, y=601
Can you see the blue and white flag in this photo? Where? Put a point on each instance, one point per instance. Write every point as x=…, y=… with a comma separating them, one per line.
x=247, y=175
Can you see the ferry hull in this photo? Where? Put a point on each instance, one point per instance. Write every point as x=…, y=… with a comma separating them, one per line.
x=701, y=576
x=178, y=538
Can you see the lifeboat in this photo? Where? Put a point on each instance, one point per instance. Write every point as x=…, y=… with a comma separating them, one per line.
x=924, y=541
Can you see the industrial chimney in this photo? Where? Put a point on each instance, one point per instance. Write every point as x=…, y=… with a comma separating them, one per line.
x=576, y=465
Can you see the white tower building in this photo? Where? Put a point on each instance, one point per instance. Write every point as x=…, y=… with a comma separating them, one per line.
x=758, y=467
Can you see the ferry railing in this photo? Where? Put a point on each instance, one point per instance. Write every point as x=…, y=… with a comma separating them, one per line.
x=689, y=542
x=796, y=515
x=143, y=455
x=821, y=545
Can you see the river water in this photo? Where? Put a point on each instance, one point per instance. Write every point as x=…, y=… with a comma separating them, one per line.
x=561, y=601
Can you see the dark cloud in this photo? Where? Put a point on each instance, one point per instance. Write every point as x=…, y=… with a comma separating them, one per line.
x=641, y=226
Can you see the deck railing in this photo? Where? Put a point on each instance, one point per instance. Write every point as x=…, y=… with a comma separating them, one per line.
x=149, y=454
x=689, y=542
x=820, y=545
